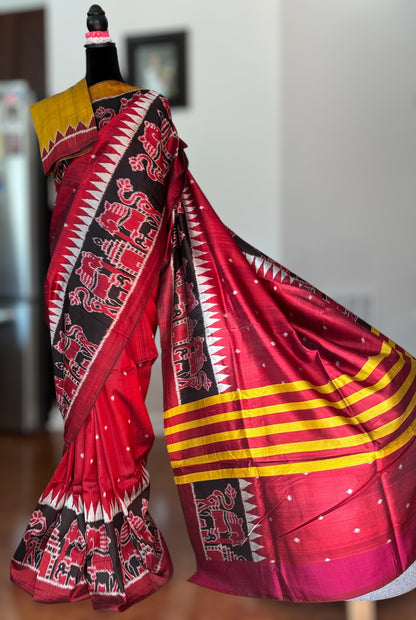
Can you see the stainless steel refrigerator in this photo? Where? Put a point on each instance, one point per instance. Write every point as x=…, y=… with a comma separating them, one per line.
x=25, y=375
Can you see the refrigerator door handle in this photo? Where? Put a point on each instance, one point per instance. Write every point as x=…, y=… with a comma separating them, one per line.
x=7, y=315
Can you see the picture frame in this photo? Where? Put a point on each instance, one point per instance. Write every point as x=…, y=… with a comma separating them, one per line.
x=158, y=62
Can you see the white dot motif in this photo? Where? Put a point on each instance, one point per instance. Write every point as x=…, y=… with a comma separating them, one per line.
x=289, y=498
x=357, y=530
x=296, y=540
x=350, y=491
x=234, y=292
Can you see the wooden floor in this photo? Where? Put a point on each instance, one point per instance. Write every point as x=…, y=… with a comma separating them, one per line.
x=26, y=464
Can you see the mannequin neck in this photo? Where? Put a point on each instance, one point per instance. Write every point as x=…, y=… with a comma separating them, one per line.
x=102, y=63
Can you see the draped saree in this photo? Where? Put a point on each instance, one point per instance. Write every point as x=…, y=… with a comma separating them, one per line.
x=289, y=421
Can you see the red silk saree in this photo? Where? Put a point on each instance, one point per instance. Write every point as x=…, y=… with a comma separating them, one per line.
x=289, y=422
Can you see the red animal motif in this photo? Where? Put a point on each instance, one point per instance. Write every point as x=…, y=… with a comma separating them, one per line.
x=161, y=145
x=134, y=222
x=219, y=523
x=75, y=346
x=189, y=359
x=140, y=545
x=97, y=539
x=74, y=341
x=99, y=570
x=152, y=550
x=78, y=351
x=102, y=290
x=32, y=538
x=70, y=563
x=185, y=300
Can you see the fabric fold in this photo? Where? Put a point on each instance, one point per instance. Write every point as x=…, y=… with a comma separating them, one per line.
x=91, y=533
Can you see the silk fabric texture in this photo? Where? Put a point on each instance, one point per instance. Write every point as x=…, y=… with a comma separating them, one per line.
x=289, y=421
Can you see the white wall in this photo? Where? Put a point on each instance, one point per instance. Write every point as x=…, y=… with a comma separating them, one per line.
x=349, y=157
x=10, y=6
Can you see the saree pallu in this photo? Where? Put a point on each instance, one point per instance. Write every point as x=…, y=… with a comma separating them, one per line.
x=289, y=422
x=292, y=443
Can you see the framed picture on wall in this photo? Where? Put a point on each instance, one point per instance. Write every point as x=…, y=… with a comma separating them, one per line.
x=158, y=62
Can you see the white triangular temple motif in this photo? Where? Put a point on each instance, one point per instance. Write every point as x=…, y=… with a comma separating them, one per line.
x=207, y=294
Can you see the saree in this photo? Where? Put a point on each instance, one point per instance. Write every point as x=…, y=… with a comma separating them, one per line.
x=289, y=421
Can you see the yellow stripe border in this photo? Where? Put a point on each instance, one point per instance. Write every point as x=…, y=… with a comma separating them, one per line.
x=302, y=467
x=281, y=388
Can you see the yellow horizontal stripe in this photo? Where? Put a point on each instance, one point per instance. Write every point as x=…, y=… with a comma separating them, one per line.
x=306, y=466
x=281, y=388
x=316, y=403
x=301, y=425
x=301, y=446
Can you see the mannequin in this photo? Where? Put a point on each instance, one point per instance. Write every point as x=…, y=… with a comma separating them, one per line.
x=101, y=53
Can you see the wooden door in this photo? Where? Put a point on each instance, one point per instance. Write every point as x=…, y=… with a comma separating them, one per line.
x=22, y=48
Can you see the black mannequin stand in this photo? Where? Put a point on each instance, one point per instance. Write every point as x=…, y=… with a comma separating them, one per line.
x=101, y=58
x=102, y=63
